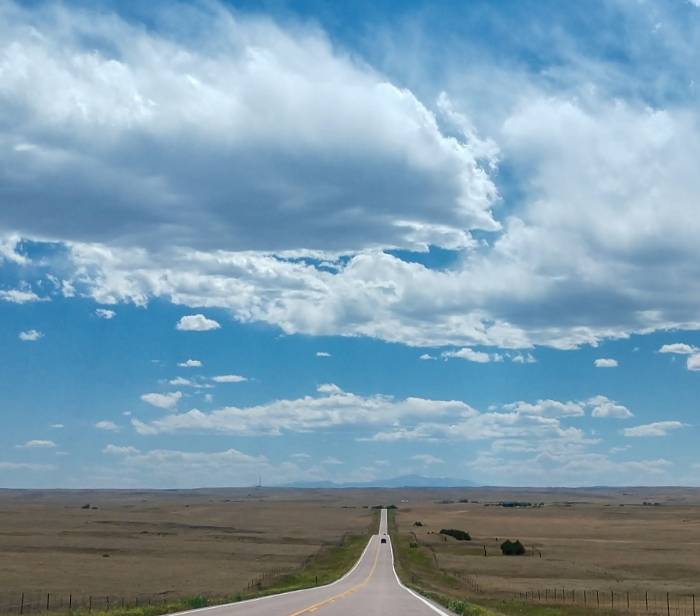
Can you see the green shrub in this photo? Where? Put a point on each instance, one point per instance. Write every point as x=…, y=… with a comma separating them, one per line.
x=512, y=548
x=458, y=607
x=197, y=602
x=460, y=535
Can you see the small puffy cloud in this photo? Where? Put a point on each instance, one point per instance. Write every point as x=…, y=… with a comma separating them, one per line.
x=107, y=425
x=546, y=408
x=329, y=388
x=523, y=358
x=693, y=362
x=427, y=357
x=469, y=355
x=19, y=296
x=605, y=362
x=30, y=335
x=679, y=348
x=331, y=461
x=229, y=378
x=181, y=382
x=196, y=323
x=604, y=407
x=190, y=363
x=104, y=313
x=323, y=354
x=163, y=401
x=116, y=450
x=427, y=459
x=38, y=444
x=57, y=426
x=657, y=428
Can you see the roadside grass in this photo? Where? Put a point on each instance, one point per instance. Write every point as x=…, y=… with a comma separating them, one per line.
x=327, y=565
x=417, y=567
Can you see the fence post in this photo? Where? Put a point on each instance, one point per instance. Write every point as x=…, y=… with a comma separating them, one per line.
x=90, y=603
x=646, y=599
x=628, y=599
x=70, y=601
x=107, y=600
x=612, y=599
x=585, y=598
x=21, y=604
x=693, y=604
x=48, y=600
x=597, y=597
x=668, y=605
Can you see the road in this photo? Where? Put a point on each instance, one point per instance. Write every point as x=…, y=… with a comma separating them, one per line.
x=370, y=588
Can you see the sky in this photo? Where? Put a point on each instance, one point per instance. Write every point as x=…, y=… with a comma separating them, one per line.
x=323, y=241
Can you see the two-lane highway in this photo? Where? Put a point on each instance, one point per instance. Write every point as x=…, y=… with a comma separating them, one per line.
x=370, y=588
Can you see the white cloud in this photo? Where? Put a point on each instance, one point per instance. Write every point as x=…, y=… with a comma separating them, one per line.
x=300, y=456
x=679, y=348
x=693, y=362
x=427, y=357
x=323, y=354
x=604, y=407
x=19, y=296
x=427, y=459
x=117, y=450
x=523, y=358
x=331, y=408
x=469, y=355
x=38, y=444
x=163, y=401
x=8, y=249
x=104, y=313
x=547, y=408
x=107, y=425
x=57, y=426
x=285, y=124
x=196, y=323
x=24, y=466
x=190, y=363
x=657, y=428
x=30, y=335
x=181, y=382
x=331, y=461
x=229, y=378
x=605, y=362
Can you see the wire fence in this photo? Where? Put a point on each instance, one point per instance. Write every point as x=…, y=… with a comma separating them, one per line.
x=39, y=601
x=651, y=603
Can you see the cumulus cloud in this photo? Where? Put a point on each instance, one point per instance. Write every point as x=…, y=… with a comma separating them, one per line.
x=107, y=425
x=469, y=354
x=657, y=428
x=19, y=296
x=117, y=450
x=547, y=408
x=196, y=323
x=604, y=407
x=679, y=348
x=693, y=362
x=322, y=354
x=283, y=123
x=163, y=401
x=104, y=313
x=190, y=363
x=30, y=335
x=38, y=444
x=427, y=357
x=229, y=378
x=605, y=362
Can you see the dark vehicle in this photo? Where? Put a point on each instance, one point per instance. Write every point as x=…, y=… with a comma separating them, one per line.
x=383, y=540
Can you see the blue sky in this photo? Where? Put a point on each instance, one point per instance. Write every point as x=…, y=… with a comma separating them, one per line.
x=457, y=242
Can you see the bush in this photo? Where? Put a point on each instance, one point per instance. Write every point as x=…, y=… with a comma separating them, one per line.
x=413, y=545
x=458, y=607
x=460, y=535
x=197, y=602
x=512, y=548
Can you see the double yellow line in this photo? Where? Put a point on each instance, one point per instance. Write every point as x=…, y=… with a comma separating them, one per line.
x=345, y=593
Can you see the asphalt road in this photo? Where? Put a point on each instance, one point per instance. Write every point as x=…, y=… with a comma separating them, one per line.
x=370, y=588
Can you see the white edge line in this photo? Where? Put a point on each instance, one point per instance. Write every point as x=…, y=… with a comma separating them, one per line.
x=415, y=594
x=281, y=594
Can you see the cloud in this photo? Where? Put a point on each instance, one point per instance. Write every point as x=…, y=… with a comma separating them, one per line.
x=109, y=426
x=523, y=358
x=196, y=323
x=30, y=335
x=693, y=362
x=58, y=426
x=104, y=313
x=469, y=355
x=38, y=444
x=547, y=408
x=24, y=466
x=190, y=363
x=331, y=408
x=604, y=362
x=284, y=125
x=657, y=428
x=679, y=348
x=19, y=296
x=331, y=461
x=163, y=401
x=181, y=382
x=427, y=357
x=427, y=459
x=604, y=407
x=229, y=378
x=322, y=354
x=116, y=450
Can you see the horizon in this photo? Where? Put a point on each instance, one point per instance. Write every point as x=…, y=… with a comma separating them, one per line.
x=325, y=243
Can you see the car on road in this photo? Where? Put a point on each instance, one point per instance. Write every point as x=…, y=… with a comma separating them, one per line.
x=383, y=540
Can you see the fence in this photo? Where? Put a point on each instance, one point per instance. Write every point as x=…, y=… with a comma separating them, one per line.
x=652, y=603
x=38, y=601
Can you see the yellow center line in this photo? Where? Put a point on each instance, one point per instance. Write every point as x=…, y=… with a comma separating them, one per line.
x=345, y=593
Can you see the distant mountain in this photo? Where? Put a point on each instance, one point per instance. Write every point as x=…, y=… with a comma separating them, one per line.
x=404, y=481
